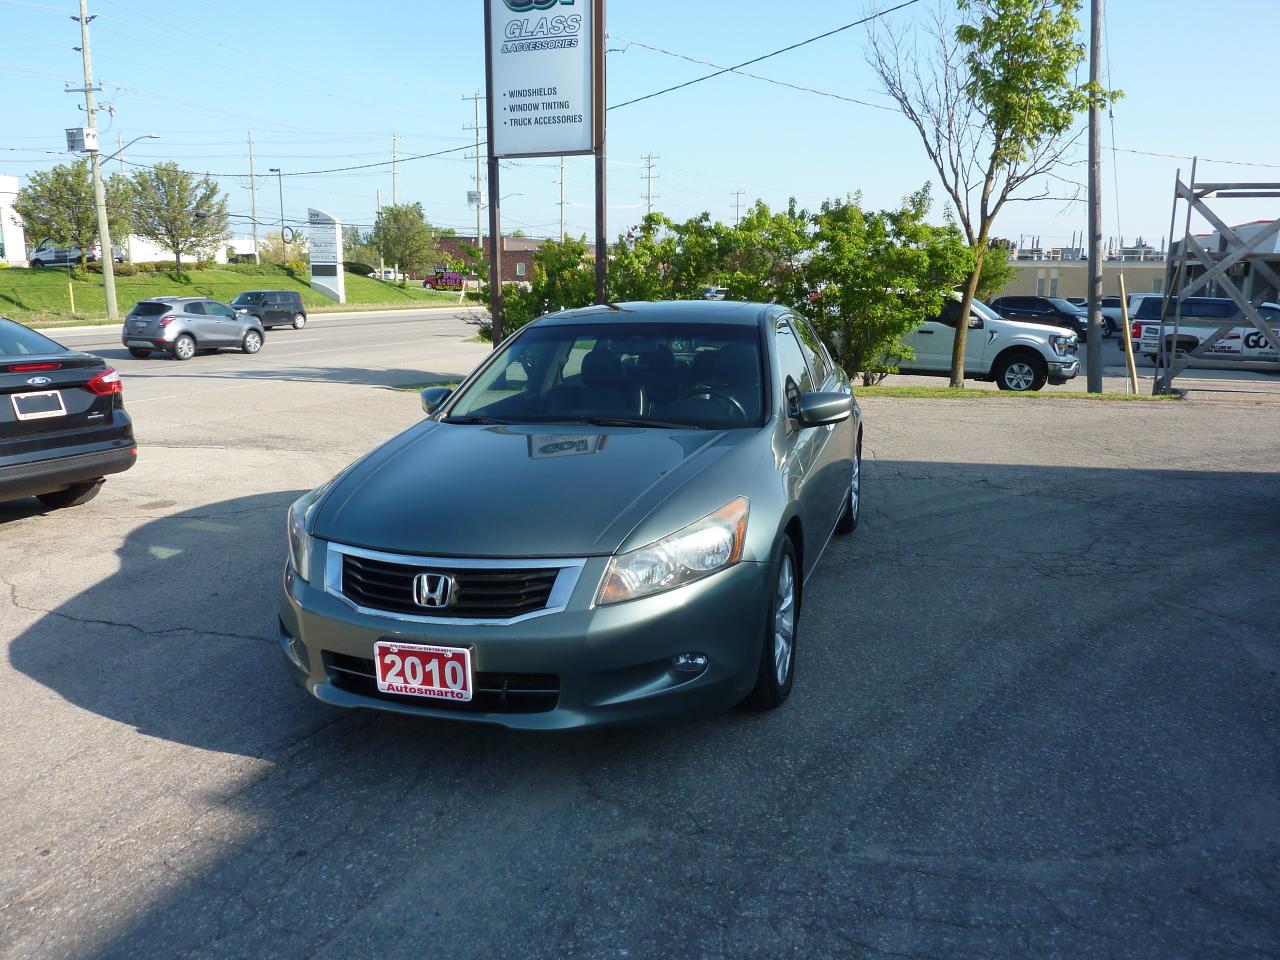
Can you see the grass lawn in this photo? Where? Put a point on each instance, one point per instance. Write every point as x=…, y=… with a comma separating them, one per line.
x=951, y=393
x=42, y=297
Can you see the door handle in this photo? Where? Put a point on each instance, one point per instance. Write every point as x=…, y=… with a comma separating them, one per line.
x=929, y=332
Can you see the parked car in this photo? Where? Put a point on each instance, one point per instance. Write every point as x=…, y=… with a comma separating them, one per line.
x=680, y=467
x=1078, y=301
x=272, y=308
x=181, y=326
x=1202, y=317
x=387, y=274
x=714, y=293
x=63, y=426
x=47, y=253
x=1052, y=311
x=1016, y=355
x=1112, y=315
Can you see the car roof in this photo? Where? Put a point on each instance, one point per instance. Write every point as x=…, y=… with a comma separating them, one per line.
x=243, y=292
x=670, y=311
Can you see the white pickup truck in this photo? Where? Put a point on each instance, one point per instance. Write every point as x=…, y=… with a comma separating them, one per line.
x=1201, y=318
x=1016, y=355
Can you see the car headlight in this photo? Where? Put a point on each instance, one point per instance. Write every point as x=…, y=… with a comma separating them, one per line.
x=298, y=534
x=702, y=548
x=1062, y=344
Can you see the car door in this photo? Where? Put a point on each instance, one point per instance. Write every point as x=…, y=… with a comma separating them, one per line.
x=276, y=310
x=227, y=320
x=203, y=326
x=934, y=340
x=802, y=445
x=832, y=469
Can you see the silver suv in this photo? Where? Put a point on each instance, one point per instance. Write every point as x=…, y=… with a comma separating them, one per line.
x=182, y=325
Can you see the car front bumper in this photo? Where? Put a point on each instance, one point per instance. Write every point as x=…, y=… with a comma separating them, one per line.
x=611, y=665
x=1067, y=368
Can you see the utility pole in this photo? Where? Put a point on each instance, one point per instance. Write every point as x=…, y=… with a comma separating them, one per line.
x=1093, y=350
x=737, y=207
x=120, y=151
x=561, y=196
x=394, y=174
x=284, y=246
x=253, y=200
x=477, y=100
x=99, y=193
x=648, y=175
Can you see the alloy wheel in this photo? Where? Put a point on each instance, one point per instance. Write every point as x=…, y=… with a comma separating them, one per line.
x=185, y=348
x=1019, y=376
x=784, y=621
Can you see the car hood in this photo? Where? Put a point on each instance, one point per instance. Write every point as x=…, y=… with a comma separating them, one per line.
x=513, y=491
x=1041, y=331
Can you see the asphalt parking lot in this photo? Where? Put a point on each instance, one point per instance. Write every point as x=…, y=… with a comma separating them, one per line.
x=1035, y=714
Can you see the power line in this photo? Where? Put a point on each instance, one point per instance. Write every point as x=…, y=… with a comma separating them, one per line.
x=767, y=56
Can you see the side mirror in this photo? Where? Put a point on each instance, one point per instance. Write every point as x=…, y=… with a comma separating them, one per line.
x=818, y=409
x=975, y=323
x=433, y=397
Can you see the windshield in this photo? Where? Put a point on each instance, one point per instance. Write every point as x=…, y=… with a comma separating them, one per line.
x=649, y=374
x=243, y=298
x=980, y=309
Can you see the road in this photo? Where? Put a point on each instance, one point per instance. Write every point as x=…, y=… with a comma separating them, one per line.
x=1034, y=716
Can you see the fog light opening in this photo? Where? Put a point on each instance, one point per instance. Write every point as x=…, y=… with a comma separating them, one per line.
x=689, y=663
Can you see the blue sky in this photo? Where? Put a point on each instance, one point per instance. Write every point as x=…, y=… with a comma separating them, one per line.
x=325, y=84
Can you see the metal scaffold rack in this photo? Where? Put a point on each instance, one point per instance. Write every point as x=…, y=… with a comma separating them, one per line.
x=1242, y=263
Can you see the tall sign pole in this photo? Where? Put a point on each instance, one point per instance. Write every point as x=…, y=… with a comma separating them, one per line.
x=545, y=85
x=495, y=218
x=602, y=193
x=1093, y=348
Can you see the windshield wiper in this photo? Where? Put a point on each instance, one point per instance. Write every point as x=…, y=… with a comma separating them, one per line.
x=632, y=422
x=477, y=421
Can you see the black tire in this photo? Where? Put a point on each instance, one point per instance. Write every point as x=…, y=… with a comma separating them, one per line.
x=37, y=264
x=299, y=321
x=770, y=692
x=184, y=348
x=1021, y=372
x=73, y=496
x=139, y=353
x=848, y=521
x=252, y=342
x=1108, y=327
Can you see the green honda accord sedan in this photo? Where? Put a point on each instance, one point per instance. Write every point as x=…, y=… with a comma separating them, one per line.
x=610, y=521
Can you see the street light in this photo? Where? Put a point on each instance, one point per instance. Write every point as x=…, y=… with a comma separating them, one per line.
x=145, y=136
x=280, y=182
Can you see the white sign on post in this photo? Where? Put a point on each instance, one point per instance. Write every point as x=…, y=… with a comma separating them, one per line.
x=325, y=245
x=541, y=56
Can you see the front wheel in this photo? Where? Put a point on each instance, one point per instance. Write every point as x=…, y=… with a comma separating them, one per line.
x=73, y=496
x=299, y=321
x=252, y=342
x=777, y=670
x=848, y=521
x=1021, y=373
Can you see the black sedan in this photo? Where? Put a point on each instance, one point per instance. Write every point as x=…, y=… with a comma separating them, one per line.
x=63, y=426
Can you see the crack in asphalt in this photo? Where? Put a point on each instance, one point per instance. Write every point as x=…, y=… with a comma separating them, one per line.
x=94, y=621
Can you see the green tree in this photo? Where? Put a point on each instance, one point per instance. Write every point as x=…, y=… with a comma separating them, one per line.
x=58, y=204
x=404, y=239
x=994, y=95
x=763, y=255
x=878, y=275
x=998, y=272
x=185, y=214
x=563, y=278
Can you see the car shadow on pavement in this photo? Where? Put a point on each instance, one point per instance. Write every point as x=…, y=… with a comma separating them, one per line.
x=1003, y=742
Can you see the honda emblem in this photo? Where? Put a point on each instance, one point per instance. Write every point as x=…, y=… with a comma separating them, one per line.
x=432, y=590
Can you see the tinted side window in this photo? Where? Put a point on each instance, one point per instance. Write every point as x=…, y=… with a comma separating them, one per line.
x=793, y=371
x=814, y=352
x=1209, y=309
x=196, y=308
